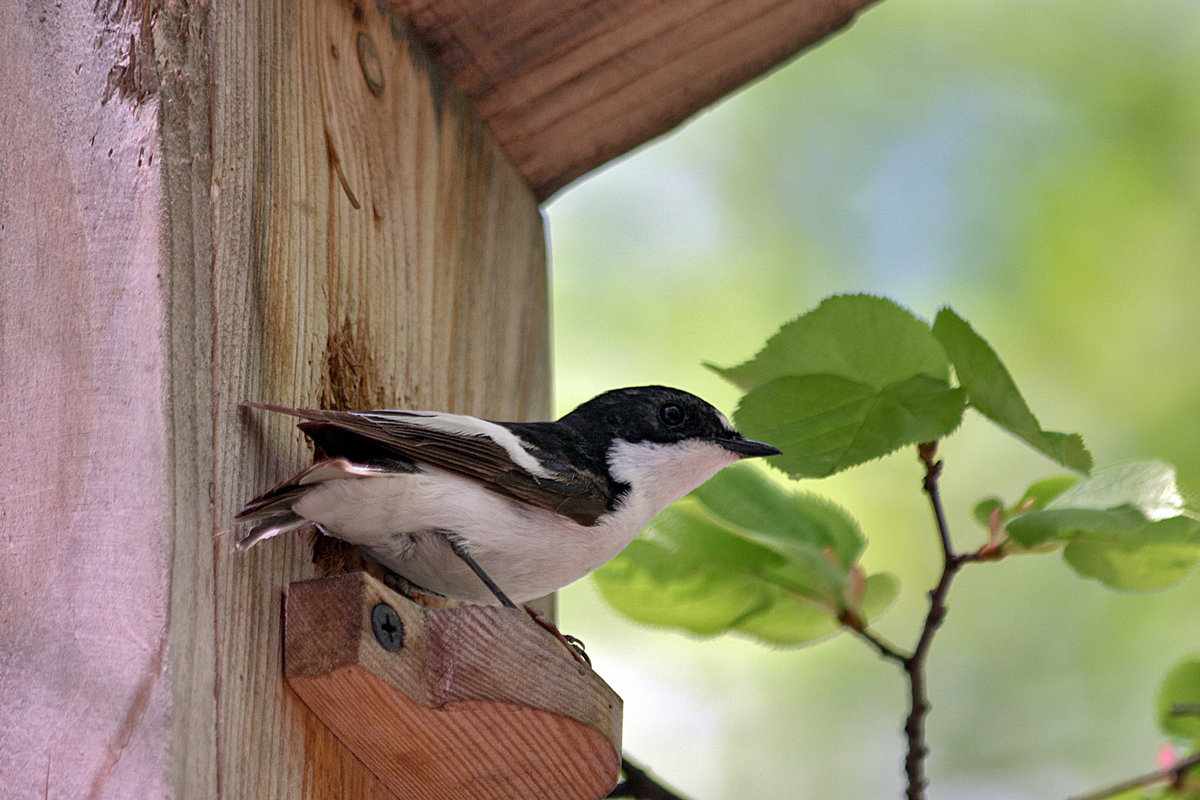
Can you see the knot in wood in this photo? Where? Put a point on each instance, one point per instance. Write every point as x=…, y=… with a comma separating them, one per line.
x=372, y=68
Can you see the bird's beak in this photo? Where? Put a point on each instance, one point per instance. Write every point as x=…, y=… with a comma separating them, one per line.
x=748, y=448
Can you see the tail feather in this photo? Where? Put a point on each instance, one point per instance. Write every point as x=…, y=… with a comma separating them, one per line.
x=271, y=512
x=273, y=526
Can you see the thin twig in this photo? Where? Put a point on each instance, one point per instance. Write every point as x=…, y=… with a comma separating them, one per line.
x=913, y=663
x=641, y=785
x=1173, y=775
x=933, y=469
x=885, y=648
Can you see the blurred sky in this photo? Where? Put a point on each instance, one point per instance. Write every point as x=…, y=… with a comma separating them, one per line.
x=1036, y=165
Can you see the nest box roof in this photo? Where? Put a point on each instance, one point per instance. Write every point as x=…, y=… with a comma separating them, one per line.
x=567, y=85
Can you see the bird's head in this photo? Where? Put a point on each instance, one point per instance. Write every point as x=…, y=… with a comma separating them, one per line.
x=661, y=441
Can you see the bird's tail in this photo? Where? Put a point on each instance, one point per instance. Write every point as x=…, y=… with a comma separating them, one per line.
x=272, y=512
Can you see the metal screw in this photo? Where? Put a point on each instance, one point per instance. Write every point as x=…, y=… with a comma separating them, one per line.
x=389, y=630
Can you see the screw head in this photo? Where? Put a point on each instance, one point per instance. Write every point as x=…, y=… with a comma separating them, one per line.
x=389, y=629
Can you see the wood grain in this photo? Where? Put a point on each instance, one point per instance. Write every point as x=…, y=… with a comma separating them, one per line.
x=200, y=204
x=567, y=85
x=85, y=711
x=374, y=247
x=479, y=703
x=181, y=50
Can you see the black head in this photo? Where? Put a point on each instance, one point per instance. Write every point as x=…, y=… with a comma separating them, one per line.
x=659, y=414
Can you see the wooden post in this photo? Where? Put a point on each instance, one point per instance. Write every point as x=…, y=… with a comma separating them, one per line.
x=374, y=248
x=86, y=504
x=205, y=204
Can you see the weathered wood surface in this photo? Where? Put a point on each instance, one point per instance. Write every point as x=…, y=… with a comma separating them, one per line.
x=84, y=563
x=475, y=703
x=199, y=205
x=567, y=85
x=354, y=267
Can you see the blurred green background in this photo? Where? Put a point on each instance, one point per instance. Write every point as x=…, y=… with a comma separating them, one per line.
x=1036, y=165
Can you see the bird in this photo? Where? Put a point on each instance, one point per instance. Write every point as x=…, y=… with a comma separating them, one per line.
x=498, y=513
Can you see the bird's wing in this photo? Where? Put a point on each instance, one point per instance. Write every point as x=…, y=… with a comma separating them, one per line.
x=475, y=448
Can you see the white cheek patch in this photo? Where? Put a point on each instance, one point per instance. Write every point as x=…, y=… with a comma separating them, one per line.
x=660, y=474
x=463, y=425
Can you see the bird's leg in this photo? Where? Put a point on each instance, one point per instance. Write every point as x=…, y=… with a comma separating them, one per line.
x=573, y=644
x=460, y=550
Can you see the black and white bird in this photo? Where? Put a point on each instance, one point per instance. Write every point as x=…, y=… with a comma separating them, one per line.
x=499, y=512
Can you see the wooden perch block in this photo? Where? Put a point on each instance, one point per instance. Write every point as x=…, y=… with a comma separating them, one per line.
x=472, y=702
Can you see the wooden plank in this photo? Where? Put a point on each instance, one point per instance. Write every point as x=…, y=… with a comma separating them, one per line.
x=567, y=85
x=84, y=707
x=181, y=75
x=473, y=702
x=374, y=247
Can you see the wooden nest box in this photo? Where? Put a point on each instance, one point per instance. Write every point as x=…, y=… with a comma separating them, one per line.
x=331, y=203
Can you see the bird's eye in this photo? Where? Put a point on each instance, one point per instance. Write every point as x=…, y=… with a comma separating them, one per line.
x=671, y=415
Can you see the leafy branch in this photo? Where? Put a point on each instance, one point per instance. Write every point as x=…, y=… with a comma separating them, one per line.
x=855, y=379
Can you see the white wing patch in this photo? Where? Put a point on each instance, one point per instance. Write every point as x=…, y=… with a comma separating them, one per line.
x=463, y=425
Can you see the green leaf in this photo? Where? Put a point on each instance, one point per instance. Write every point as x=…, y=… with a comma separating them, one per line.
x=824, y=424
x=786, y=622
x=789, y=622
x=1031, y=530
x=696, y=540
x=749, y=500
x=881, y=591
x=1125, y=526
x=859, y=337
x=992, y=391
x=1112, y=500
x=1148, y=486
x=1041, y=493
x=1181, y=688
x=744, y=554
x=654, y=582
x=1153, y=556
x=983, y=510
x=852, y=380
